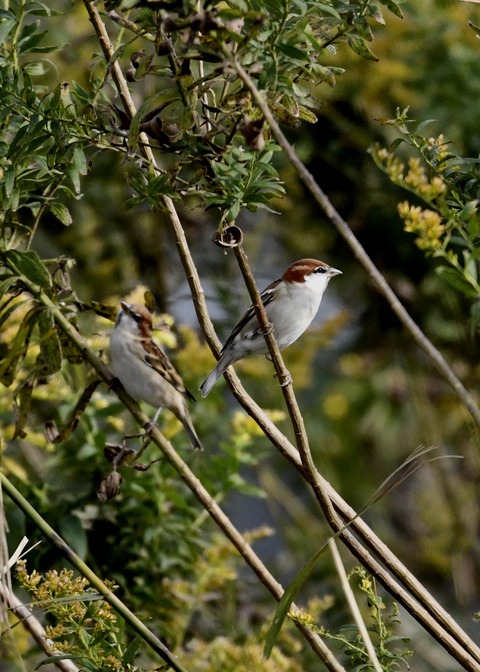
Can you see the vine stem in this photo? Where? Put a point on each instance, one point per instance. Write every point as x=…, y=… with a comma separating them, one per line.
x=359, y=251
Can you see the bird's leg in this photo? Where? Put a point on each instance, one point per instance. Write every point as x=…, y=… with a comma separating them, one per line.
x=151, y=425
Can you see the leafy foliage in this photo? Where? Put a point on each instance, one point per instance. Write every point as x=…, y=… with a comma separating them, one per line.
x=449, y=228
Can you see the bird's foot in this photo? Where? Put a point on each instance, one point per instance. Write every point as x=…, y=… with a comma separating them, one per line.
x=268, y=330
x=288, y=380
x=149, y=426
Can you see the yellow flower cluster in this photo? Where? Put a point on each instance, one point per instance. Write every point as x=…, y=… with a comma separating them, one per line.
x=413, y=176
x=68, y=598
x=440, y=145
x=392, y=166
x=416, y=178
x=53, y=585
x=425, y=223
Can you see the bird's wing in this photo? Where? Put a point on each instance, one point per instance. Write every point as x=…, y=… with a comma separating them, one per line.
x=158, y=360
x=250, y=316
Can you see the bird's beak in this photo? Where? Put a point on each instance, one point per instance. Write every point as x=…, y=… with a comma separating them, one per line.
x=332, y=272
x=125, y=306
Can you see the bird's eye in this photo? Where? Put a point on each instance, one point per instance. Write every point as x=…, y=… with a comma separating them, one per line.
x=136, y=317
x=320, y=269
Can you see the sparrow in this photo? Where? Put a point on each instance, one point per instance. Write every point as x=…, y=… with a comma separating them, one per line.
x=291, y=303
x=144, y=369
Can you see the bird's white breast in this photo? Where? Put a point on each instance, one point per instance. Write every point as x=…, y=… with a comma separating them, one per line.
x=294, y=308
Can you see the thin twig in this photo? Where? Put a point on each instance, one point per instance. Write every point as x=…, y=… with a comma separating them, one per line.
x=130, y=25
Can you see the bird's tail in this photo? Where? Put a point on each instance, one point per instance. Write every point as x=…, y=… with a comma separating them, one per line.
x=192, y=434
x=220, y=368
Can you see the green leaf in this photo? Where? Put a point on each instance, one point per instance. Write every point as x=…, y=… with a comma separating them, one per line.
x=233, y=212
x=19, y=347
x=13, y=147
x=49, y=359
x=325, y=74
x=456, y=280
x=393, y=7
x=357, y=44
x=131, y=651
x=31, y=266
x=396, y=144
x=469, y=210
x=7, y=310
x=40, y=9
x=470, y=265
x=283, y=115
x=6, y=26
x=307, y=115
x=293, y=52
x=57, y=657
x=327, y=9
x=48, y=48
x=31, y=42
x=61, y=212
x=473, y=228
x=287, y=598
x=421, y=127
x=9, y=182
x=79, y=160
x=6, y=281
x=22, y=407
x=376, y=15
x=167, y=97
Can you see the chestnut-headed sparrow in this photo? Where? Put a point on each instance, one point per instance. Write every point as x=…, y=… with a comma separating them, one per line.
x=144, y=370
x=291, y=303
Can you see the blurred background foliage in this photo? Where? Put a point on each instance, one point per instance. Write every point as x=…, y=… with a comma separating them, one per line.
x=368, y=395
